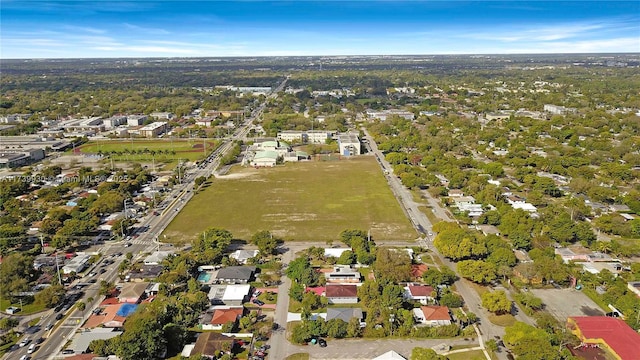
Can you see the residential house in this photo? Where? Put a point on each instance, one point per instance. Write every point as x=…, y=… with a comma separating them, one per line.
x=634, y=286
x=569, y=255
x=157, y=257
x=211, y=344
x=420, y=293
x=346, y=314
x=110, y=316
x=342, y=294
x=81, y=340
x=229, y=294
x=432, y=315
x=456, y=193
x=132, y=292
x=343, y=274
x=146, y=272
x=242, y=256
x=488, y=230
x=335, y=252
x=390, y=355
x=222, y=315
x=235, y=274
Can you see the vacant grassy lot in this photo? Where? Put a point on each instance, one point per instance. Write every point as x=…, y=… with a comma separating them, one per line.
x=146, y=150
x=311, y=201
x=468, y=355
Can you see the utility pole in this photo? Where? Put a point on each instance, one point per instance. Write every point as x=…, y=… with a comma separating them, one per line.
x=58, y=270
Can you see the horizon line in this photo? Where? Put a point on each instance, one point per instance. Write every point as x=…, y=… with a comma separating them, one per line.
x=306, y=56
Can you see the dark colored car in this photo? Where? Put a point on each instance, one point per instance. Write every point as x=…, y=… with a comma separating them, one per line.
x=257, y=302
x=322, y=343
x=59, y=316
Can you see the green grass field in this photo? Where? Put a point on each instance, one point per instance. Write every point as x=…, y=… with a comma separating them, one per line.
x=142, y=150
x=311, y=201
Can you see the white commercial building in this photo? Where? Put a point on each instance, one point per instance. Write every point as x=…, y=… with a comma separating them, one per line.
x=349, y=144
x=153, y=130
x=76, y=264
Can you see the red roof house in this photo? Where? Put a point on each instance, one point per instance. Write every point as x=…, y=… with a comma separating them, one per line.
x=417, y=270
x=614, y=334
x=421, y=293
x=342, y=294
x=432, y=315
x=224, y=315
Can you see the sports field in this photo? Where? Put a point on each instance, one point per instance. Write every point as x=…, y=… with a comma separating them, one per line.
x=299, y=201
x=165, y=150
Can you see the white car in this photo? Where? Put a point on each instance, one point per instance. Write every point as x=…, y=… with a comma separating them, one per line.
x=24, y=342
x=31, y=349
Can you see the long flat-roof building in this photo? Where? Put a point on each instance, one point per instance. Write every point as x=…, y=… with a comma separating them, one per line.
x=153, y=130
x=76, y=264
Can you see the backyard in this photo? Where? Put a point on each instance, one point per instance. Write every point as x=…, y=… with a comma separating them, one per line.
x=310, y=201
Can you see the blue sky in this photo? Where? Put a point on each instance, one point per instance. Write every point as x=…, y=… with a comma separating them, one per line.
x=146, y=28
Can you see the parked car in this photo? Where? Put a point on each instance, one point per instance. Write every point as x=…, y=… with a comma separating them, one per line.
x=322, y=342
x=257, y=293
x=257, y=302
x=68, y=351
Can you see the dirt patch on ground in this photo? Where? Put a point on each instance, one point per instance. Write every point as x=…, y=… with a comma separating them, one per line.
x=240, y=175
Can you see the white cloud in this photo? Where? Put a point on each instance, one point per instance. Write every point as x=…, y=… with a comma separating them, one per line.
x=146, y=30
x=84, y=29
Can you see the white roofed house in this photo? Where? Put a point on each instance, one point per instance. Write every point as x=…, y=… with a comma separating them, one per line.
x=335, y=252
x=157, y=257
x=242, y=256
x=343, y=274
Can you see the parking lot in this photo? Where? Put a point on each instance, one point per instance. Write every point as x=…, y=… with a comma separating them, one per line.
x=563, y=303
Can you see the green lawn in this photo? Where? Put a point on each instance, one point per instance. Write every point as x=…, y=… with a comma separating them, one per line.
x=27, y=308
x=502, y=320
x=166, y=151
x=468, y=355
x=298, y=356
x=311, y=201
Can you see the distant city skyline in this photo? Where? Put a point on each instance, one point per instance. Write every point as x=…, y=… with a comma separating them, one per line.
x=114, y=29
